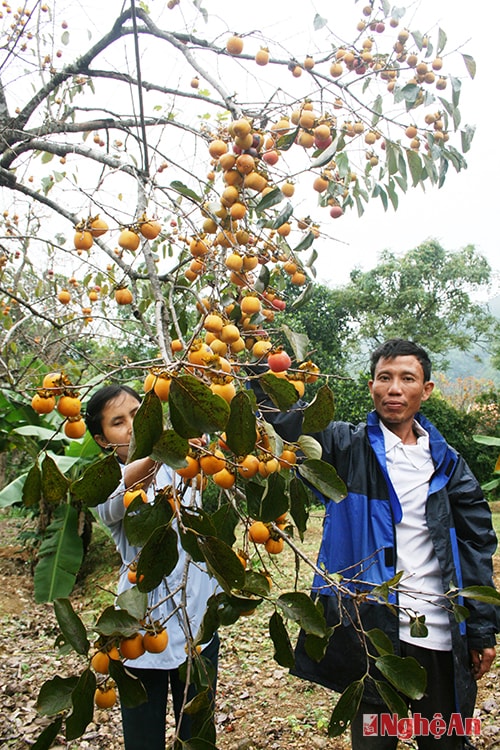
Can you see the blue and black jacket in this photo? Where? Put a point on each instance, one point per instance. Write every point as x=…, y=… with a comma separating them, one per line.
x=359, y=541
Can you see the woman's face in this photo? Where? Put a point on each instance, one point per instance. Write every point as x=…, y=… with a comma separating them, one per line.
x=116, y=423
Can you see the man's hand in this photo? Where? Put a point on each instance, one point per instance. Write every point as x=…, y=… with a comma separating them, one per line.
x=481, y=661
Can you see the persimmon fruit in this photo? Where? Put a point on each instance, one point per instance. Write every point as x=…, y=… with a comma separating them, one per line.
x=155, y=641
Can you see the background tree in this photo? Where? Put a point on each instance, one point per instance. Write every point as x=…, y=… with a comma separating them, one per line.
x=424, y=295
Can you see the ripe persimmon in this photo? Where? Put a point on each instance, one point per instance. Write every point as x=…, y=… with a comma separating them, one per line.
x=43, y=404
x=55, y=382
x=160, y=383
x=274, y=546
x=248, y=466
x=75, y=428
x=211, y=463
x=64, y=297
x=191, y=469
x=262, y=56
x=216, y=148
x=69, y=406
x=234, y=45
x=131, y=494
x=98, y=227
x=278, y=361
x=83, y=239
x=224, y=388
x=133, y=647
x=224, y=478
x=250, y=305
x=259, y=532
x=100, y=662
x=129, y=240
x=123, y=296
x=105, y=697
x=150, y=229
x=155, y=641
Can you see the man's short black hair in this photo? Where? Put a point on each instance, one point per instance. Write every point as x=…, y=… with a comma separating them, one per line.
x=401, y=348
x=97, y=403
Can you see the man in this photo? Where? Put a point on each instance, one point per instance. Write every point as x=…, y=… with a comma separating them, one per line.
x=413, y=505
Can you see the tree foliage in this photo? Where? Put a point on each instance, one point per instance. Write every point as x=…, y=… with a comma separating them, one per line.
x=424, y=295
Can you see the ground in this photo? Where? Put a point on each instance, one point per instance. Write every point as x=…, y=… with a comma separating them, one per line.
x=259, y=705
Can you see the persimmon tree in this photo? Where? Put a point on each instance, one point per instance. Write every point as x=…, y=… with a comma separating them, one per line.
x=154, y=204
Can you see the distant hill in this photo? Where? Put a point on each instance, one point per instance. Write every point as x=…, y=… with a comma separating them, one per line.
x=475, y=363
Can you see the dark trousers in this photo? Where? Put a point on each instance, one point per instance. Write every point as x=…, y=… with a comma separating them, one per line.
x=145, y=725
x=439, y=698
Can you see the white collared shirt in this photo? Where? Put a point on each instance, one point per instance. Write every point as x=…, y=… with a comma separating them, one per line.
x=410, y=469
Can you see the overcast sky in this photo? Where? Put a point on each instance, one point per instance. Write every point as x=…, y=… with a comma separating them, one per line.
x=465, y=210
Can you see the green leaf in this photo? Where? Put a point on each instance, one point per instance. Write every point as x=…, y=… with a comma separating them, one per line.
x=141, y=519
x=324, y=478
x=320, y=412
x=305, y=242
x=345, y=709
x=460, y=613
x=282, y=393
x=195, y=522
x=283, y=216
x=32, y=487
x=55, y=695
x=71, y=626
x=184, y=190
x=97, y=482
x=486, y=440
x=194, y=409
x=298, y=341
x=404, y=673
x=286, y=141
x=274, y=499
x=48, y=736
x=158, y=558
x=391, y=698
x=117, y=622
x=83, y=705
x=256, y=583
x=416, y=167
x=272, y=198
x=283, y=652
x=319, y=22
x=170, y=449
x=381, y=641
x=299, y=607
x=418, y=628
x=60, y=556
x=326, y=155
x=134, y=602
x=147, y=427
x=54, y=483
x=310, y=446
x=225, y=519
x=240, y=428
x=470, y=64
x=299, y=505
x=442, y=39
x=485, y=594
x=132, y=691
x=222, y=563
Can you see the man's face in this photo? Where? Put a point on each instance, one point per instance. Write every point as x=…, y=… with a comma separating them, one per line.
x=398, y=389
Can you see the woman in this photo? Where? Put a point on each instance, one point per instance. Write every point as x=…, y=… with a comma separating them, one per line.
x=109, y=417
